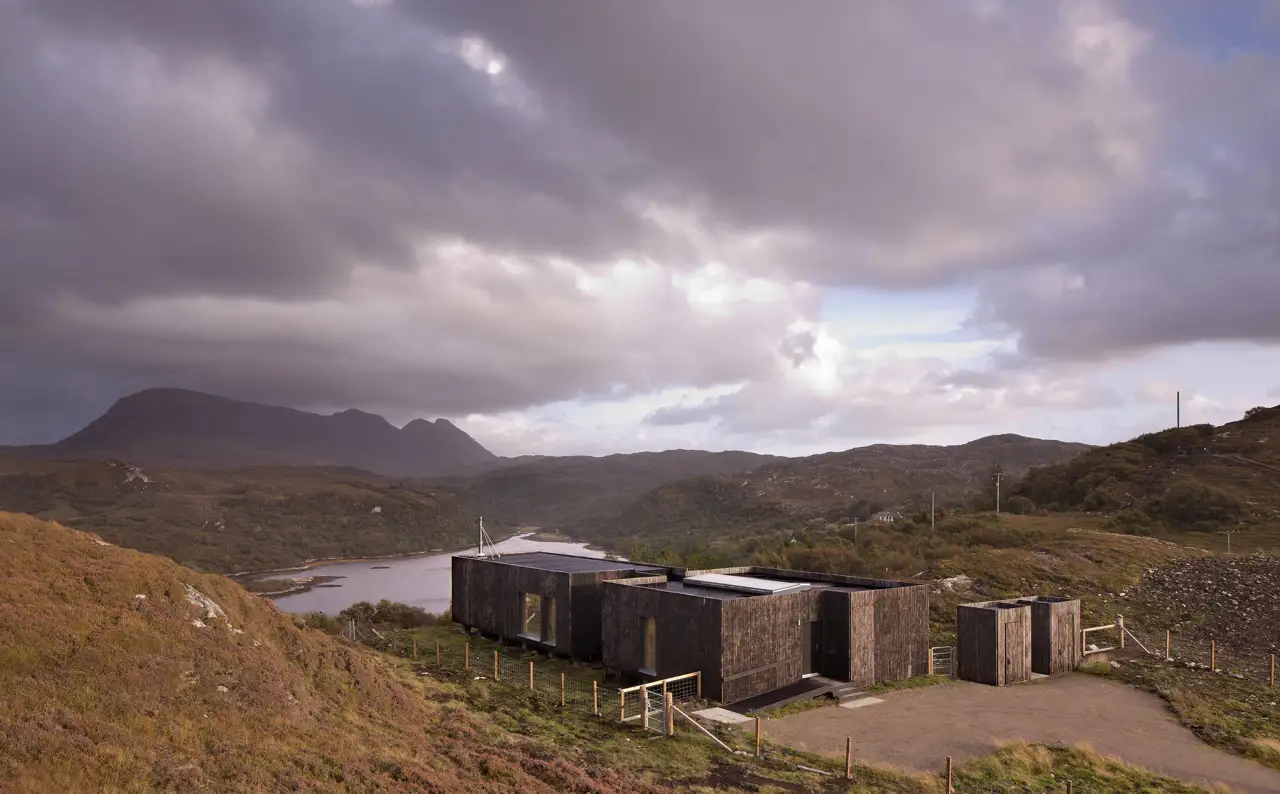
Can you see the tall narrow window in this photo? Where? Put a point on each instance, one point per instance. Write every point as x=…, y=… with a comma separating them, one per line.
x=550, y=609
x=649, y=649
x=532, y=620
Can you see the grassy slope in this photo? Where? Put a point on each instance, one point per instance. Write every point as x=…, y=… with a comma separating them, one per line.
x=236, y=520
x=107, y=692
x=1197, y=482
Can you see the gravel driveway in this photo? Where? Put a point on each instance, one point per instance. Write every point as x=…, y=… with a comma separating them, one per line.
x=918, y=729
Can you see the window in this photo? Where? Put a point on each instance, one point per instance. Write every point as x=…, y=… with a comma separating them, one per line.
x=648, y=648
x=550, y=609
x=531, y=626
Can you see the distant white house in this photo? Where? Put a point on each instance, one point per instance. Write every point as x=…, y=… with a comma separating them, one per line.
x=886, y=516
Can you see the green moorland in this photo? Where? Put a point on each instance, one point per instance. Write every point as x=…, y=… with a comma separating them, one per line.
x=126, y=672
x=241, y=519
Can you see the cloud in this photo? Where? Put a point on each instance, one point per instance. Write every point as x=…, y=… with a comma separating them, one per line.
x=480, y=208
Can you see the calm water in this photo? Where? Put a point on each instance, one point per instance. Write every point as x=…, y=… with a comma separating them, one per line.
x=418, y=581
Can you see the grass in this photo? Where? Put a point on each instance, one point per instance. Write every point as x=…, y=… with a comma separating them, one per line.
x=105, y=691
x=918, y=682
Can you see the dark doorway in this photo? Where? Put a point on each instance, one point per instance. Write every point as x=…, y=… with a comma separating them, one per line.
x=811, y=647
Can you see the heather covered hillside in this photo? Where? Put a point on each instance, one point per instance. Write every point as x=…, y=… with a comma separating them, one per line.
x=122, y=671
x=237, y=520
x=1199, y=479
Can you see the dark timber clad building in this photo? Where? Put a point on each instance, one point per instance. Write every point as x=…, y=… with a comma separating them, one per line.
x=547, y=601
x=754, y=630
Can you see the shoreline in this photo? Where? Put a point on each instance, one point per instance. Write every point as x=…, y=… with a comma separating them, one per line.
x=318, y=561
x=302, y=584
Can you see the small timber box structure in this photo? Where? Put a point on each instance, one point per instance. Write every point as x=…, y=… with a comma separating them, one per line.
x=546, y=601
x=1004, y=642
x=755, y=630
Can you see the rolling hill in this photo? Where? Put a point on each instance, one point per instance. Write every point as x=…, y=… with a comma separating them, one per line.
x=1192, y=479
x=236, y=520
x=122, y=671
x=175, y=427
x=835, y=487
x=559, y=492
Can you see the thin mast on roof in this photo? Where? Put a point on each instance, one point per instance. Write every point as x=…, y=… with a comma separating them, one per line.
x=484, y=538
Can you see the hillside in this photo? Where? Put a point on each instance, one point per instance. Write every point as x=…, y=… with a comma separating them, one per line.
x=125, y=672
x=174, y=427
x=1193, y=479
x=558, y=492
x=118, y=675
x=243, y=519
x=834, y=487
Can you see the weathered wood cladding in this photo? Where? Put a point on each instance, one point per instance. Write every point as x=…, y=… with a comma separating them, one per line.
x=993, y=642
x=761, y=642
x=488, y=595
x=866, y=635
x=1055, y=634
x=687, y=631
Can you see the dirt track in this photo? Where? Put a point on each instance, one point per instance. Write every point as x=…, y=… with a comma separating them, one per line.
x=918, y=729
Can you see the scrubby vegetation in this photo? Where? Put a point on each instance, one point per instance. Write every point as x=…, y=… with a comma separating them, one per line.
x=245, y=519
x=117, y=677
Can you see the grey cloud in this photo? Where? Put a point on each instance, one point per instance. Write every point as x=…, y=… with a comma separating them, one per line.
x=1194, y=255
x=877, y=133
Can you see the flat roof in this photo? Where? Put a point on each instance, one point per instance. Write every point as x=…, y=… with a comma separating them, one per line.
x=568, y=563
x=752, y=585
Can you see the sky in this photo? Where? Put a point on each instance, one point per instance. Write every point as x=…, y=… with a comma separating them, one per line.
x=590, y=228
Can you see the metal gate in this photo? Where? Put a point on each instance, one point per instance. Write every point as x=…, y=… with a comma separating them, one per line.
x=942, y=661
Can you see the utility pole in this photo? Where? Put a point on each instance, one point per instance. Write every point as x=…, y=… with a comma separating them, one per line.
x=999, y=474
x=1179, y=410
x=932, y=505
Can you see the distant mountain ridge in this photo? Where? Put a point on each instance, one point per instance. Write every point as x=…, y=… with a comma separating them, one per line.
x=177, y=427
x=832, y=486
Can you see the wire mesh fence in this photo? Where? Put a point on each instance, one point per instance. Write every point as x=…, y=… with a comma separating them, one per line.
x=1197, y=650
x=545, y=678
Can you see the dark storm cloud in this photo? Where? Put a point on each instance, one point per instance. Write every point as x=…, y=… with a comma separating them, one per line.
x=1193, y=255
x=322, y=202
x=864, y=128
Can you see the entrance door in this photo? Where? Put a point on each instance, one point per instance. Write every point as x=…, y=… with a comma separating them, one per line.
x=813, y=647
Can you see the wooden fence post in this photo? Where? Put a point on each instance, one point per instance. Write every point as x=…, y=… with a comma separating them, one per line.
x=644, y=707
x=1120, y=628
x=671, y=715
x=950, y=790
x=437, y=653
x=562, y=689
x=1068, y=787
x=1168, y=645
x=530, y=675
x=931, y=661
x=595, y=698
x=1213, y=656
x=622, y=706
x=1273, y=669
x=757, y=737
x=467, y=659
x=848, y=758
x=664, y=690
x=699, y=679
x=415, y=649
x=495, y=665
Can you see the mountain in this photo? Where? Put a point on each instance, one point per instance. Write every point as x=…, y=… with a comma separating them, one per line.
x=237, y=520
x=1198, y=478
x=127, y=672
x=176, y=427
x=833, y=487
x=556, y=492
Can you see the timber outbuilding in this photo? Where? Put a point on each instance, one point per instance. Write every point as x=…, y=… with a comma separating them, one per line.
x=1005, y=642
x=755, y=630
x=545, y=601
